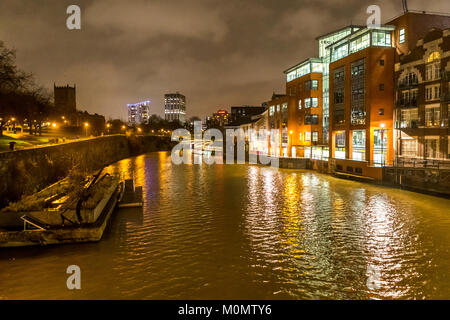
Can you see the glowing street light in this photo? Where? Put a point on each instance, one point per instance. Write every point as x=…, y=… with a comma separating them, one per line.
x=86, y=125
x=54, y=125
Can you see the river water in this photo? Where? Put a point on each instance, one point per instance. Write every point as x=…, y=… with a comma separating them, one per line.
x=248, y=232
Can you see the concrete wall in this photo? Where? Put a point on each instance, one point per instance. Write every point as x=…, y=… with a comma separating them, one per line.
x=30, y=170
x=295, y=163
x=143, y=144
x=428, y=180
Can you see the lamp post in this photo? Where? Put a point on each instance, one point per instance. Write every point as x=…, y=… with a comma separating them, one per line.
x=86, y=126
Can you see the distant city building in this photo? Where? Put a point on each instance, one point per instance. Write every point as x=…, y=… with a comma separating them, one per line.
x=244, y=113
x=65, y=99
x=138, y=113
x=218, y=120
x=175, y=107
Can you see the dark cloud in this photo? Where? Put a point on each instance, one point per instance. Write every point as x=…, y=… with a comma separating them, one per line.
x=218, y=53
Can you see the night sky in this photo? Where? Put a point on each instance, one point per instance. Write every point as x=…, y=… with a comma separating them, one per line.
x=217, y=52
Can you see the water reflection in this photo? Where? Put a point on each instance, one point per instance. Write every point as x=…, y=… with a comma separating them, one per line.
x=249, y=232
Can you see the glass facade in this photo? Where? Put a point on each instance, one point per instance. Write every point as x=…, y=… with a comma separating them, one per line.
x=432, y=147
x=338, y=95
x=380, y=144
x=361, y=40
x=381, y=38
x=339, y=151
x=310, y=65
x=408, y=148
x=358, y=113
x=360, y=43
x=359, y=145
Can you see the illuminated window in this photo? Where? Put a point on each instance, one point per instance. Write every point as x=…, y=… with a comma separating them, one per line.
x=432, y=147
x=307, y=136
x=360, y=43
x=434, y=56
x=381, y=38
x=359, y=145
x=339, y=152
x=308, y=103
x=311, y=85
x=315, y=136
x=401, y=36
x=340, y=52
x=408, y=147
x=300, y=136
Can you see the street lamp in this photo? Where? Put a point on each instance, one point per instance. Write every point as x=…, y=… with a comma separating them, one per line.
x=86, y=125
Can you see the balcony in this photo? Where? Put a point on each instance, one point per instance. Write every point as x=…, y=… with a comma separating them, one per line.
x=433, y=123
x=405, y=84
x=410, y=124
x=407, y=103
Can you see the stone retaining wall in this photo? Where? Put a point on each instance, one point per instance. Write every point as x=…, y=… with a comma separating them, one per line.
x=30, y=170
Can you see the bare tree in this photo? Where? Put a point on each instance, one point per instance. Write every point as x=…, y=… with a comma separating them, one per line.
x=13, y=84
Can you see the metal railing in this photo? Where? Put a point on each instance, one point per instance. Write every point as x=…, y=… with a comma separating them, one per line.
x=409, y=124
x=422, y=163
x=407, y=103
x=408, y=83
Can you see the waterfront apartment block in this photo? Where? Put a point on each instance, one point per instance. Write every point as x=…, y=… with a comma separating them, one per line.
x=423, y=100
x=361, y=104
x=305, y=110
x=278, y=125
x=175, y=107
x=374, y=94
